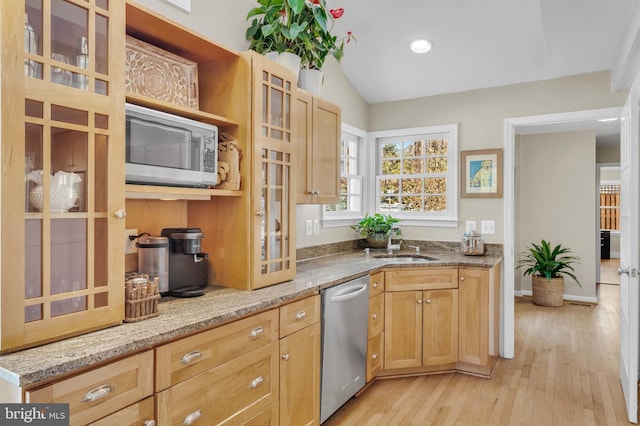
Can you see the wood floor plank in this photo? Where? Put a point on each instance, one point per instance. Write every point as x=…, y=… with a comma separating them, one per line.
x=565, y=372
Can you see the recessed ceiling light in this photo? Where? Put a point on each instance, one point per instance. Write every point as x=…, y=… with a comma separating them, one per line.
x=421, y=45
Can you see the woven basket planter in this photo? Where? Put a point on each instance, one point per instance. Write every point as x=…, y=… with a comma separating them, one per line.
x=547, y=293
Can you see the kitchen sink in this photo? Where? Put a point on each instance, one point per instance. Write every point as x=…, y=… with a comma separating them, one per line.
x=408, y=257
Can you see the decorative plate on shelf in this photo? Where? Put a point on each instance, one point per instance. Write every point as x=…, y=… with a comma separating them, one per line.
x=158, y=74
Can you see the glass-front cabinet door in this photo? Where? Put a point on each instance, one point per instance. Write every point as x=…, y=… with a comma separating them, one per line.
x=63, y=169
x=274, y=157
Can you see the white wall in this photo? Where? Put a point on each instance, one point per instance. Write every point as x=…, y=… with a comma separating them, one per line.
x=556, y=191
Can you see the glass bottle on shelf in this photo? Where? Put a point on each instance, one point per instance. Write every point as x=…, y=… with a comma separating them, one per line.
x=31, y=67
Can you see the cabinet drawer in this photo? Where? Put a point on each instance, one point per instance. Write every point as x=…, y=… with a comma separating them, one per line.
x=269, y=417
x=375, y=348
x=231, y=393
x=421, y=279
x=376, y=315
x=376, y=284
x=298, y=315
x=184, y=358
x=134, y=415
x=101, y=391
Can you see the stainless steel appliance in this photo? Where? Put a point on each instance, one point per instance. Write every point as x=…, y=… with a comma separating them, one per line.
x=168, y=149
x=188, y=266
x=153, y=259
x=344, y=343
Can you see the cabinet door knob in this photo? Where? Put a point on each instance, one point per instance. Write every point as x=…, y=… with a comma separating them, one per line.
x=461, y=278
x=316, y=192
x=375, y=284
x=374, y=316
x=301, y=315
x=256, y=382
x=258, y=331
x=428, y=300
x=285, y=357
x=97, y=393
x=419, y=301
x=374, y=356
x=260, y=213
x=120, y=214
x=191, y=418
x=149, y=423
x=190, y=356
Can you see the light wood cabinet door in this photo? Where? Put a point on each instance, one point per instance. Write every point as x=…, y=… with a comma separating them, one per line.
x=440, y=327
x=61, y=265
x=403, y=329
x=101, y=391
x=474, y=316
x=300, y=377
x=269, y=417
x=318, y=138
x=375, y=353
x=231, y=393
x=376, y=315
x=138, y=414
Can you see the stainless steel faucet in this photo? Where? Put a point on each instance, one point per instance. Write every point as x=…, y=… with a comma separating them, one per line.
x=416, y=248
x=391, y=247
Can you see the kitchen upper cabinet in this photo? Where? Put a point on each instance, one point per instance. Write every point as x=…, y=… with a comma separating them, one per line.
x=62, y=169
x=258, y=227
x=318, y=139
x=479, y=319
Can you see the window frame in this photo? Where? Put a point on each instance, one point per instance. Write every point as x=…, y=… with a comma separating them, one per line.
x=439, y=219
x=339, y=218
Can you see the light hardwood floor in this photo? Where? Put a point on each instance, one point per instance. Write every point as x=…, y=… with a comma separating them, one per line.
x=565, y=372
x=609, y=271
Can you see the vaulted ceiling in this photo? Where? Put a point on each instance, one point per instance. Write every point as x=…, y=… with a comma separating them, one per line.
x=477, y=43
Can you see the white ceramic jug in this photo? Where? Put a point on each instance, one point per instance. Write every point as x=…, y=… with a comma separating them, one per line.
x=63, y=190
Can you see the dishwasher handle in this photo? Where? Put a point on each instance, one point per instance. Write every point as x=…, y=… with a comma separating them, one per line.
x=350, y=292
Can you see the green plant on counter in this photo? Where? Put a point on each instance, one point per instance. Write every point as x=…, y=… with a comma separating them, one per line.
x=541, y=261
x=377, y=224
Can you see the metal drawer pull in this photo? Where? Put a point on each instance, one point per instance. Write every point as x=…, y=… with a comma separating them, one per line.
x=149, y=423
x=301, y=314
x=256, y=382
x=258, y=331
x=97, y=393
x=191, y=418
x=190, y=356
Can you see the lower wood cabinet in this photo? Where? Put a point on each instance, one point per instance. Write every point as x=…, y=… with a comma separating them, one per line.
x=231, y=393
x=142, y=413
x=102, y=391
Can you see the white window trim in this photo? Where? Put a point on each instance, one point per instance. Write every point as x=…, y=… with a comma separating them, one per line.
x=451, y=219
x=334, y=220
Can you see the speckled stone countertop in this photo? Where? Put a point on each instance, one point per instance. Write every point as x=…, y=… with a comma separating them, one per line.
x=179, y=317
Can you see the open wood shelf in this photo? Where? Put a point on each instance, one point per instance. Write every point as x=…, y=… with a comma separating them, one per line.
x=175, y=193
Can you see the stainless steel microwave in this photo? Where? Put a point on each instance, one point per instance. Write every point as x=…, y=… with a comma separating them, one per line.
x=166, y=149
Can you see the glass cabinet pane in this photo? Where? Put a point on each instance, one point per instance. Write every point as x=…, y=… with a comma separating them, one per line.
x=33, y=38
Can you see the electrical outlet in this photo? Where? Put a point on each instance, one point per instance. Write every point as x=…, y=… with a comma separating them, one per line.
x=316, y=226
x=308, y=228
x=130, y=245
x=488, y=227
x=470, y=226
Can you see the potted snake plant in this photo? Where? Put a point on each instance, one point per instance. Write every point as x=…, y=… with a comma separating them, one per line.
x=547, y=268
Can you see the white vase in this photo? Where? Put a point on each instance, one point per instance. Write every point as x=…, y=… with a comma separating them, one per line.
x=311, y=81
x=289, y=60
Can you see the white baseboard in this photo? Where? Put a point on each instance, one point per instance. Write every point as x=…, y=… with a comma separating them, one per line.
x=567, y=297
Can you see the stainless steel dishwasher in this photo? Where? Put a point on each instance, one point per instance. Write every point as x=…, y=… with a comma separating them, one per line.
x=344, y=343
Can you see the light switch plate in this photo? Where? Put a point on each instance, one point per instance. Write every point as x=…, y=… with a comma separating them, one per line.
x=308, y=228
x=130, y=245
x=488, y=227
x=316, y=226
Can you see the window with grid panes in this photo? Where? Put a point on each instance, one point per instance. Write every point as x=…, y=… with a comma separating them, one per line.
x=416, y=173
x=350, y=204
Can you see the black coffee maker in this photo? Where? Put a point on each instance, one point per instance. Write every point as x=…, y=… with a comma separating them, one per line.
x=188, y=266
